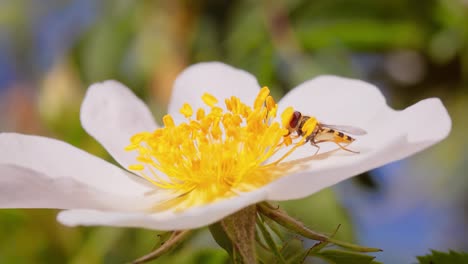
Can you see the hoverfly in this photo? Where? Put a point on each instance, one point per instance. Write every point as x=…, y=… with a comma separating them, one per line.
x=324, y=133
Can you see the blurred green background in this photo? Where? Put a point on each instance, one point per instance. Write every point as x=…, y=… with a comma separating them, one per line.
x=51, y=50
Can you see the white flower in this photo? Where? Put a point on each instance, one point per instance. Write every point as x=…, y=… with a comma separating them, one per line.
x=38, y=172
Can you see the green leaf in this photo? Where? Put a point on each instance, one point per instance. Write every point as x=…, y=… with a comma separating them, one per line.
x=270, y=241
x=298, y=227
x=275, y=227
x=344, y=257
x=331, y=213
x=221, y=238
x=321, y=244
x=293, y=251
x=437, y=257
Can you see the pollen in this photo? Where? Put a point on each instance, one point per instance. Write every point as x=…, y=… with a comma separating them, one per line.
x=186, y=110
x=219, y=154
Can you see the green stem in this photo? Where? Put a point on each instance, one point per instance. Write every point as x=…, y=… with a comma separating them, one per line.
x=292, y=224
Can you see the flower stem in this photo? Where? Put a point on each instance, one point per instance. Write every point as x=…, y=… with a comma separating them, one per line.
x=174, y=240
x=240, y=229
x=292, y=224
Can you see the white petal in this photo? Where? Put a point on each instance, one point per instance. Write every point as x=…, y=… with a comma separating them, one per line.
x=111, y=113
x=63, y=165
x=218, y=79
x=392, y=135
x=25, y=188
x=188, y=219
x=336, y=100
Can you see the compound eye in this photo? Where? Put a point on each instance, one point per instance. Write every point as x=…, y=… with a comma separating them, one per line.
x=295, y=119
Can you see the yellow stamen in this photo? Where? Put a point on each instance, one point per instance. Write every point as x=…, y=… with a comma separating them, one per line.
x=270, y=103
x=209, y=99
x=168, y=121
x=186, y=110
x=200, y=114
x=218, y=155
x=309, y=126
x=136, y=167
x=286, y=116
x=262, y=95
x=132, y=147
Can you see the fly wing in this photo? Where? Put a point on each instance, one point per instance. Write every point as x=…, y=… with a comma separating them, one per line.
x=347, y=129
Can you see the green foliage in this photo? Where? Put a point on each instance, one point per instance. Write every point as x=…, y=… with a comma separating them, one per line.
x=294, y=251
x=437, y=257
x=208, y=256
x=221, y=238
x=268, y=238
x=321, y=211
x=344, y=257
x=273, y=247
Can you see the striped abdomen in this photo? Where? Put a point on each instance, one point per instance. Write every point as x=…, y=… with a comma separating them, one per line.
x=328, y=134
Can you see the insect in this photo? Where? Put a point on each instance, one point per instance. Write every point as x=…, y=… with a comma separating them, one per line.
x=324, y=133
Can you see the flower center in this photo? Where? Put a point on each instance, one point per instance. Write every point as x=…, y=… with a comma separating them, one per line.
x=215, y=154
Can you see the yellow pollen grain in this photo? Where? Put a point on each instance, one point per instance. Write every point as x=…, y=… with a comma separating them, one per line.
x=132, y=147
x=287, y=141
x=228, y=103
x=136, y=167
x=200, y=114
x=260, y=100
x=216, y=156
x=209, y=99
x=286, y=116
x=235, y=105
x=186, y=110
x=136, y=139
x=270, y=103
x=271, y=106
x=168, y=121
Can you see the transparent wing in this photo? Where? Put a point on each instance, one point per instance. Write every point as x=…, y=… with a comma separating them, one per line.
x=347, y=129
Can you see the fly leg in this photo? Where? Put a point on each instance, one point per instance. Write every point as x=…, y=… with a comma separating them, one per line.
x=315, y=144
x=344, y=148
